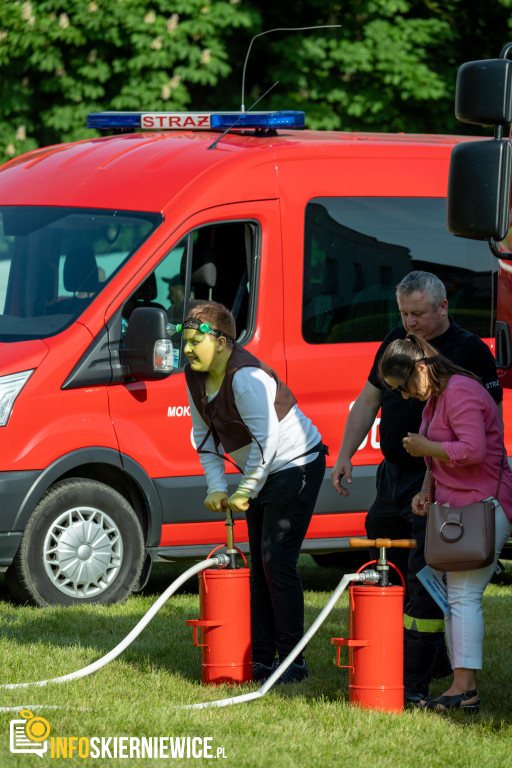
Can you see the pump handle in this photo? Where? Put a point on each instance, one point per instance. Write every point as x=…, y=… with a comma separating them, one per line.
x=387, y=543
x=229, y=528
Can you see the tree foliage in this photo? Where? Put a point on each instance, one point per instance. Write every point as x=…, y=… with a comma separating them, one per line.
x=391, y=65
x=60, y=59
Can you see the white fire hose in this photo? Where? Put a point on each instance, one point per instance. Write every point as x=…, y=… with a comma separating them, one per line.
x=368, y=577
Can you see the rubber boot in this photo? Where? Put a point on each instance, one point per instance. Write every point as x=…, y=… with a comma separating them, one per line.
x=425, y=658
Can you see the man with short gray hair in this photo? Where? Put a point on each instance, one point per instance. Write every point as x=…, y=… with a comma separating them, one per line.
x=423, y=306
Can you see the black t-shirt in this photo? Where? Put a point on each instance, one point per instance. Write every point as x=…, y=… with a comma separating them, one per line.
x=399, y=416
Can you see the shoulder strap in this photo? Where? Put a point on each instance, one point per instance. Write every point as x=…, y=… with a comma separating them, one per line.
x=500, y=475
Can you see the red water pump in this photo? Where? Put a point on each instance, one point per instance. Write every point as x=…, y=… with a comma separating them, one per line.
x=224, y=620
x=375, y=642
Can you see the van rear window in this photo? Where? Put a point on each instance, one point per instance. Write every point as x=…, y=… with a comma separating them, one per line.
x=356, y=250
x=55, y=261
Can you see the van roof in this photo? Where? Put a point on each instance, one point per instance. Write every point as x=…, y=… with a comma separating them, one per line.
x=146, y=171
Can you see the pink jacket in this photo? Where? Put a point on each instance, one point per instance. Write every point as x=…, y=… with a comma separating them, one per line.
x=466, y=420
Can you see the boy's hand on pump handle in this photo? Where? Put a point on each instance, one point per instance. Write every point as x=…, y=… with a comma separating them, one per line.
x=216, y=501
x=219, y=501
x=238, y=502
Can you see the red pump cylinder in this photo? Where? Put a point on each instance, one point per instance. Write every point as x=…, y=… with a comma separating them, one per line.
x=376, y=635
x=225, y=624
x=375, y=655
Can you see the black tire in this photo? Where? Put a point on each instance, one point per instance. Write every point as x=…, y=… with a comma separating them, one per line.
x=83, y=544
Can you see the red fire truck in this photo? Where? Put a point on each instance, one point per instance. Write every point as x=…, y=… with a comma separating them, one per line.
x=103, y=242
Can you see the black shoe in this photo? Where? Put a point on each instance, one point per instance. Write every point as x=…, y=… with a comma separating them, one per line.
x=260, y=672
x=414, y=696
x=454, y=702
x=294, y=674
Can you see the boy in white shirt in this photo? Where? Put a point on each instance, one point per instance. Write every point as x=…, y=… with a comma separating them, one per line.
x=240, y=406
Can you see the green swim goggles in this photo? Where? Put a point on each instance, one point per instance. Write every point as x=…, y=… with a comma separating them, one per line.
x=204, y=328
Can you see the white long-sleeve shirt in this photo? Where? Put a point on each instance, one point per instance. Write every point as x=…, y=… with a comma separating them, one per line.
x=283, y=442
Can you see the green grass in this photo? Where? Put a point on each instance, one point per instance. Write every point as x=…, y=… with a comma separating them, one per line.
x=310, y=724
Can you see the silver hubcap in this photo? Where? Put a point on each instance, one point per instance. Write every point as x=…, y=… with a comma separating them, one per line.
x=83, y=552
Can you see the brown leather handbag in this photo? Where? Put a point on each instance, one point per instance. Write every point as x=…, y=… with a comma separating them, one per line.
x=461, y=538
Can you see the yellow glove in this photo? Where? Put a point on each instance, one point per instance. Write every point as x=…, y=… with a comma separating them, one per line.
x=216, y=501
x=238, y=502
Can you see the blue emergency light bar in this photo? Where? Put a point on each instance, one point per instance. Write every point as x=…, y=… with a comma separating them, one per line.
x=209, y=121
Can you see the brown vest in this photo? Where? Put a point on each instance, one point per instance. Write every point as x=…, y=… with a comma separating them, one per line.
x=221, y=414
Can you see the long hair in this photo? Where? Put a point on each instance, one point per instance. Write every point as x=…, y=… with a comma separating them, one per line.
x=400, y=358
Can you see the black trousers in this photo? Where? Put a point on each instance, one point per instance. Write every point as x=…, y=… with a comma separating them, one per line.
x=277, y=521
x=391, y=516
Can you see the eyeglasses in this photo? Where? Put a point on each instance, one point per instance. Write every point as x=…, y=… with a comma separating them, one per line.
x=403, y=387
x=204, y=328
x=400, y=388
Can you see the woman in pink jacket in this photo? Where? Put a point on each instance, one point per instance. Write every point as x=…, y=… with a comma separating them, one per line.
x=462, y=432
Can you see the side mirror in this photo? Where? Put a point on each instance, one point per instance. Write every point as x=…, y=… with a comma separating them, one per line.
x=479, y=180
x=148, y=347
x=483, y=93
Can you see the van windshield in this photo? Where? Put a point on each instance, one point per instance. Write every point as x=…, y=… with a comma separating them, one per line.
x=55, y=261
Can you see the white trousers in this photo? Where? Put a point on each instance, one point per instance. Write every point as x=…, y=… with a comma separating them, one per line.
x=465, y=627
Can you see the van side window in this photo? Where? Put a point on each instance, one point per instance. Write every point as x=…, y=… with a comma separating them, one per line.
x=222, y=268
x=216, y=262
x=356, y=250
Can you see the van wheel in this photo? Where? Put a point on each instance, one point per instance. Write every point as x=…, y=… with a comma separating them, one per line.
x=83, y=544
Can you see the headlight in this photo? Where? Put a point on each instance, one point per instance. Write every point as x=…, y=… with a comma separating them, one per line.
x=10, y=387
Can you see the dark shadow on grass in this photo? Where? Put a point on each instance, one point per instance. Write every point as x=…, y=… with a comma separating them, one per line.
x=165, y=644
x=504, y=578
x=5, y=595
x=164, y=574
